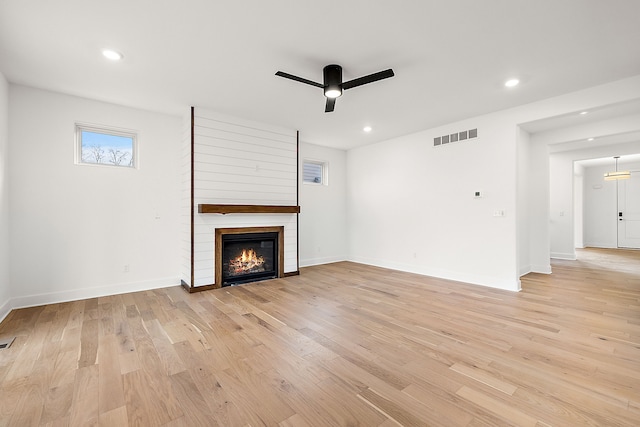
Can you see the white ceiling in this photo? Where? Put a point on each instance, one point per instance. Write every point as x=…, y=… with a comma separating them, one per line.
x=575, y=119
x=451, y=57
x=610, y=161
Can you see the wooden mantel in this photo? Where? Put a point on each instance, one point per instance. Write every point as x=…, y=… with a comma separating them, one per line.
x=257, y=209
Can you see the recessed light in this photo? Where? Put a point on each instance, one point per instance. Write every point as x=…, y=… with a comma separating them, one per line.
x=512, y=83
x=112, y=54
x=584, y=112
x=589, y=139
x=367, y=128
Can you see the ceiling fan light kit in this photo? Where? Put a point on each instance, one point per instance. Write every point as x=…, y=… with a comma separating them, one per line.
x=333, y=85
x=332, y=81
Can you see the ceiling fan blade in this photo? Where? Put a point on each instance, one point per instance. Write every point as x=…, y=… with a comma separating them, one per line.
x=298, y=79
x=331, y=103
x=368, y=79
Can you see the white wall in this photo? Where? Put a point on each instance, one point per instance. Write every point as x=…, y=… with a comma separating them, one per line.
x=73, y=227
x=323, y=209
x=578, y=201
x=600, y=206
x=5, y=291
x=411, y=205
x=538, y=209
x=523, y=201
x=561, y=206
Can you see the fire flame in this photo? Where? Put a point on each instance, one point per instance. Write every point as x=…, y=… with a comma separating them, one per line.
x=247, y=262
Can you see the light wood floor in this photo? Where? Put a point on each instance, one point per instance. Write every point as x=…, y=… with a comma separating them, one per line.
x=341, y=344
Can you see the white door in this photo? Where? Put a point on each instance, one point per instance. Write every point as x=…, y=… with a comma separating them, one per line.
x=629, y=212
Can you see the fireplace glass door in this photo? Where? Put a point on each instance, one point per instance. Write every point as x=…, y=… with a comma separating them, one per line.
x=249, y=257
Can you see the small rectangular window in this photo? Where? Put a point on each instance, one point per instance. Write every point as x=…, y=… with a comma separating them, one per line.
x=104, y=146
x=314, y=172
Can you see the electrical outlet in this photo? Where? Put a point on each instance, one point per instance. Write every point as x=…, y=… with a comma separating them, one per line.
x=126, y=268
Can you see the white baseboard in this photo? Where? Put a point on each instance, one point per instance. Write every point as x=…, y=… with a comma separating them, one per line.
x=543, y=269
x=5, y=309
x=80, y=294
x=491, y=282
x=524, y=270
x=600, y=245
x=568, y=256
x=319, y=261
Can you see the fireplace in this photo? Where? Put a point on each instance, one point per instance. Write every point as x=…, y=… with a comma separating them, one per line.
x=248, y=254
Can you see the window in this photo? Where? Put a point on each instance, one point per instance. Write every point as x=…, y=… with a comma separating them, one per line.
x=104, y=146
x=314, y=172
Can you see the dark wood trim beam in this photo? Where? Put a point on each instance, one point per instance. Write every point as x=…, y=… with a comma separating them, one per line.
x=298, y=200
x=195, y=289
x=228, y=209
x=192, y=196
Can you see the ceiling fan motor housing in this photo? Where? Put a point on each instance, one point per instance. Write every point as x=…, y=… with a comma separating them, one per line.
x=332, y=81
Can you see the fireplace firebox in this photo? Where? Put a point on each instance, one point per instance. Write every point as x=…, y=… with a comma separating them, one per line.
x=248, y=255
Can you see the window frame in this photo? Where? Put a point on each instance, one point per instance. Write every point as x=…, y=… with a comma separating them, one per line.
x=324, y=165
x=105, y=130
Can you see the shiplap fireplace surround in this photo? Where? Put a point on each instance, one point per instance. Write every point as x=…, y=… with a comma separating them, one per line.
x=236, y=174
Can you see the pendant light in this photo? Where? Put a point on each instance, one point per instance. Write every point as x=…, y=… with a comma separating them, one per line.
x=614, y=176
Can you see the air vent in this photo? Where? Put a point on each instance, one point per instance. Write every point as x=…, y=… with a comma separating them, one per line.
x=6, y=343
x=455, y=137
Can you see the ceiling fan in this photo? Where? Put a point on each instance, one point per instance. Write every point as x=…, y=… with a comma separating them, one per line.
x=333, y=84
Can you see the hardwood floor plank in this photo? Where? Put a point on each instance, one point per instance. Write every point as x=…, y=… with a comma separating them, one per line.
x=316, y=411
x=485, y=378
x=169, y=359
x=89, y=343
x=446, y=410
x=110, y=388
x=497, y=407
x=239, y=379
x=296, y=420
x=345, y=404
x=28, y=409
x=193, y=403
x=114, y=418
x=85, y=400
x=389, y=408
x=149, y=401
x=57, y=405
